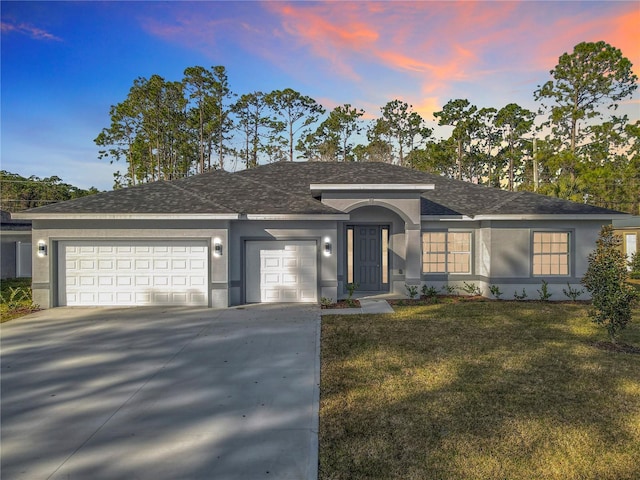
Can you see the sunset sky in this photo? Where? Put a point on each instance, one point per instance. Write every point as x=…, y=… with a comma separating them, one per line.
x=65, y=63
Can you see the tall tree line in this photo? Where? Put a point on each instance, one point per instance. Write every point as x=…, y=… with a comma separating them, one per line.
x=20, y=193
x=573, y=147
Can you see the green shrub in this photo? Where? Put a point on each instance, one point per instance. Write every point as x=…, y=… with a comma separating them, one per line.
x=351, y=288
x=429, y=291
x=520, y=296
x=572, y=293
x=471, y=289
x=450, y=289
x=412, y=290
x=16, y=297
x=326, y=302
x=495, y=291
x=544, y=292
x=606, y=280
x=634, y=264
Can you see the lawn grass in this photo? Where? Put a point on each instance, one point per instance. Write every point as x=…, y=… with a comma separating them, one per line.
x=478, y=390
x=21, y=304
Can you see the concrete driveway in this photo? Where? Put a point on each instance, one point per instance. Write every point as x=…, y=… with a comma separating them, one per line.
x=161, y=393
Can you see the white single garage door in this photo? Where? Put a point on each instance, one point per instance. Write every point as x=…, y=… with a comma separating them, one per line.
x=281, y=271
x=96, y=273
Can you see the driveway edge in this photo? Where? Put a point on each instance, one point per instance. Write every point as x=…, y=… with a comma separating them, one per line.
x=315, y=429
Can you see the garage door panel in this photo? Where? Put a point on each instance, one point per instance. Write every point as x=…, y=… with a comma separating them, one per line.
x=281, y=271
x=197, y=298
x=289, y=295
x=290, y=262
x=308, y=295
x=123, y=265
x=135, y=273
x=142, y=298
x=142, y=264
x=160, y=281
x=289, y=278
x=270, y=279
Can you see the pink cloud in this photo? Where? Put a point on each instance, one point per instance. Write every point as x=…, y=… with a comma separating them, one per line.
x=29, y=30
x=617, y=26
x=194, y=31
x=437, y=48
x=327, y=35
x=409, y=37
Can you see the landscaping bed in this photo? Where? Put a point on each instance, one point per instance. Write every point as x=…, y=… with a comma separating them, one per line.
x=353, y=303
x=478, y=390
x=15, y=299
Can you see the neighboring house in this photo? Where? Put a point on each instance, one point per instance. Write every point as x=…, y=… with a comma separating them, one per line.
x=15, y=253
x=629, y=230
x=297, y=232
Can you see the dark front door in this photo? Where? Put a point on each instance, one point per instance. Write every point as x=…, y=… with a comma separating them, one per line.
x=367, y=257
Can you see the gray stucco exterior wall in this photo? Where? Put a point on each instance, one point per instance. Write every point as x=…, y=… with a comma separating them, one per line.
x=502, y=255
x=318, y=231
x=45, y=268
x=501, y=249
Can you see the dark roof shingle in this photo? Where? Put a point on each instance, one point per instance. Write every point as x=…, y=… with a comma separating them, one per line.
x=283, y=188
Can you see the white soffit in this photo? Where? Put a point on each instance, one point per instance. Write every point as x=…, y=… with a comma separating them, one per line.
x=371, y=187
x=125, y=216
x=533, y=216
x=302, y=216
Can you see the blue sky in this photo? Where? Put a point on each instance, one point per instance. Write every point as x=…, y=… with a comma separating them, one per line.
x=65, y=63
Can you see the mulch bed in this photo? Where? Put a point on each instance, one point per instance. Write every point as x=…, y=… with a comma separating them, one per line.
x=617, y=347
x=432, y=300
x=471, y=298
x=342, y=304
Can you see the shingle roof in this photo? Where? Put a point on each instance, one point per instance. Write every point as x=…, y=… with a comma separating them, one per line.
x=9, y=224
x=283, y=188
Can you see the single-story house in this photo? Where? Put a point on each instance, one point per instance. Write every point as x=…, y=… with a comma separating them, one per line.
x=15, y=247
x=297, y=232
x=629, y=230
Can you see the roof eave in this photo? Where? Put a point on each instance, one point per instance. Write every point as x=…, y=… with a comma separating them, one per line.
x=370, y=187
x=297, y=216
x=528, y=216
x=127, y=216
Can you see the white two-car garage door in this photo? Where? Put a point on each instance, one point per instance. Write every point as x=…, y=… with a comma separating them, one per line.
x=173, y=272
x=281, y=271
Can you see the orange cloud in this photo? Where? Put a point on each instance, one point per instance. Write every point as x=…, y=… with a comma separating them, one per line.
x=623, y=31
x=618, y=28
x=414, y=37
x=329, y=36
x=427, y=106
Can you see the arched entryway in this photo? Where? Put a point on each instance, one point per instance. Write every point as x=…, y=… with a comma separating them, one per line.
x=374, y=249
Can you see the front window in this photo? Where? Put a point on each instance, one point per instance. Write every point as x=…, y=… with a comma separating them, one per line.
x=551, y=253
x=446, y=252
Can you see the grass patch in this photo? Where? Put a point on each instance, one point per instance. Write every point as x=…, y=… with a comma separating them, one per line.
x=478, y=390
x=15, y=298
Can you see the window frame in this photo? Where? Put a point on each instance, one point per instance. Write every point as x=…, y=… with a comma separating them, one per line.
x=568, y=253
x=447, y=252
